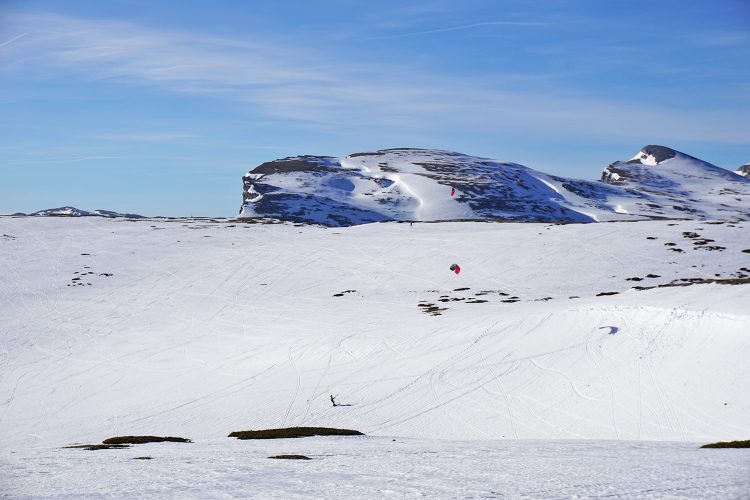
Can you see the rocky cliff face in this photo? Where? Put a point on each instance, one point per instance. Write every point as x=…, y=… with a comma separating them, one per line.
x=427, y=185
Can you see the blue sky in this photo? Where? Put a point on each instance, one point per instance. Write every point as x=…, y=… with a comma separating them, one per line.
x=160, y=107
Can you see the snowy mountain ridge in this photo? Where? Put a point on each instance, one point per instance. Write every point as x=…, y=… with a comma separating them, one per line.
x=430, y=185
x=68, y=211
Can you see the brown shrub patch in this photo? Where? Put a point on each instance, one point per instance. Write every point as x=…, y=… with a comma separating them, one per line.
x=294, y=432
x=728, y=444
x=144, y=439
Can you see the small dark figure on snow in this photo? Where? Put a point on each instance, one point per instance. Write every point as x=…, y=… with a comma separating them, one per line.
x=333, y=400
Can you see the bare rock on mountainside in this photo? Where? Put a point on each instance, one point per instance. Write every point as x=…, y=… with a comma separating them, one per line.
x=407, y=184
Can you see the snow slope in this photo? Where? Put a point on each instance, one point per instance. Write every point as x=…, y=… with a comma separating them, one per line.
x=197, y=329
x=431, y=185
x=680, y=185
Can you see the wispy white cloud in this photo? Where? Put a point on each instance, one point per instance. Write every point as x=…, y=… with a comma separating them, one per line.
x=721, y=39
x=157, y=137
x=311, y=89
x=458, y=28
x=17, y=37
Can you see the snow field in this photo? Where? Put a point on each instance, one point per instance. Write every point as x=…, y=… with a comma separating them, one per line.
x=377, y=467
x=206, y=328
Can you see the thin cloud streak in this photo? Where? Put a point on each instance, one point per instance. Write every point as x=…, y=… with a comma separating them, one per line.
x=165, y=137
x=17, y=37
x=457, y=28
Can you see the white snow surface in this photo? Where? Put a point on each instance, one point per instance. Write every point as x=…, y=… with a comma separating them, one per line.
x=197, y=329
x=382, y=467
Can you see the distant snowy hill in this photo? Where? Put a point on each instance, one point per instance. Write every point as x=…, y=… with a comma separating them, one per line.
x=431, y=185
x=76, y=212
x=680, y=186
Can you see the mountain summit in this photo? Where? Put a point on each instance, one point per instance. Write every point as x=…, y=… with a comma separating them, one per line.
x=428, y=185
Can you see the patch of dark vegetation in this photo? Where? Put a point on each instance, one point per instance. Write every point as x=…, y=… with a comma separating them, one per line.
x=144, y=439
x=294, y=432
x=703, y=241
x=366, y=153
x=670, y=244
x=651, y=237
x=461, y=289
x=287, y=165
x=510, y=300
x=728, y=444
x=341, y=294
x=606, y=293
x=485, y=292
x=93, y=447
x=543, y=299
x=475, y=301
x=710, y=248
x=698, y=281
x=747, y=250
x=634, y=279
x=291, y=457
x=679, y=250
x=653, y=276
x=142, y=458
x=430, y=308
x=689, y=234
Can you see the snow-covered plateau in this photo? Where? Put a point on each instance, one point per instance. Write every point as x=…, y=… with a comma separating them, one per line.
x=564, y=360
